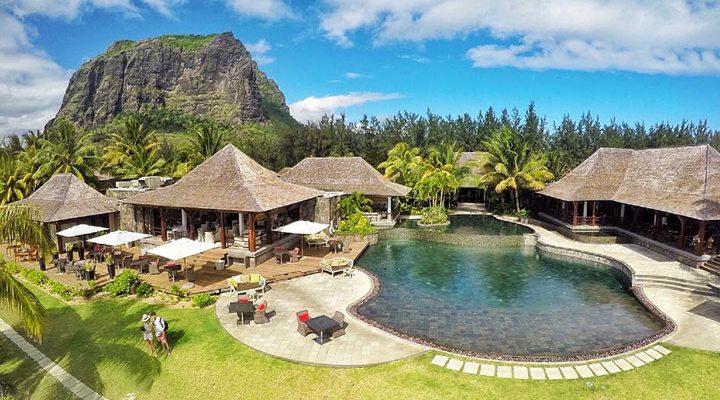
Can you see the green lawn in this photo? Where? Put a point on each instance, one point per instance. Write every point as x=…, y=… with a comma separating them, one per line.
x=100, y=343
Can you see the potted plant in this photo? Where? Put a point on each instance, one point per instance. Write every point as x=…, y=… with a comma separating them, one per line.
x=89, y=270
x=110, y=261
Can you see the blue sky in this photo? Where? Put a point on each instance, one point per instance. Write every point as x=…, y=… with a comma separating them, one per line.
x=634, y=60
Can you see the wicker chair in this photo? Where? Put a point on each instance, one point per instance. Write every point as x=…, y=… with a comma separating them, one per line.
x=126, y=261
x=301, y=317
x=260, y=316
x=340, y=319
x=190, y=273
x=153, y=267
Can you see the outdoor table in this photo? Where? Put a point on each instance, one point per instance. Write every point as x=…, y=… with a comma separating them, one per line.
x=174, y=268
x=319, y=325
x=242, y=308
x=142, y=262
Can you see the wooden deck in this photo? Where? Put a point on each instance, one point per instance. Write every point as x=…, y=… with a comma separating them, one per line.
x=208, y=279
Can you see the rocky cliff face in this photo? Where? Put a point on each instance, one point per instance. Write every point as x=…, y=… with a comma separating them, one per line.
x=210, y=76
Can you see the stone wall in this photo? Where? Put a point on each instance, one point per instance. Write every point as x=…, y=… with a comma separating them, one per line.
x=326, y=210
x=452, y=238
x=130, y=218
x=626, y=271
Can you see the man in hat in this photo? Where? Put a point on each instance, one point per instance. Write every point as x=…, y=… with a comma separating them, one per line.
x=147, y=332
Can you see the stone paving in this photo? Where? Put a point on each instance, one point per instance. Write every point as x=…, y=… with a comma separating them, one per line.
x=539, y=372
x=320, y=294
x=70, y=383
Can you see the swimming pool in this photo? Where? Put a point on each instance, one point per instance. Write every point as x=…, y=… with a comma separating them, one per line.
x=503, y=301
x=486, y=225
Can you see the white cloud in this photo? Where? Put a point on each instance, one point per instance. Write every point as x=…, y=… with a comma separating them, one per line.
x=165, y=7
x=66, y=8
x=314, y=108
x=271, y=10
x=416, y=58
x=355, y=75
x=31, y=84
x=652, y=36
x=259, y=51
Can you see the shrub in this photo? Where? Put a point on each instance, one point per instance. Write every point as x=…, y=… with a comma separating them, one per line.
x=177, y=291
x=202, y=300
x=67, y=293
x=355, y=224
x=434, y=215
x=122, y=283
x=34, y=276
x=144, y=289
x=12, y=267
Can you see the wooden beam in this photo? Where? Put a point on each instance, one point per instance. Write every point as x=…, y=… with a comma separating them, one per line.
x=58, y=239
x=251, y=232
x=593, y=212
x=700, y=243
x=143, y=211
x=163, y=227
x=681, y=238
x=575, y=213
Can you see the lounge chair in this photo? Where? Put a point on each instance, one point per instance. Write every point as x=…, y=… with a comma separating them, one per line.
x=301, y=317
x=242, y=284
x=340, y=330
x=337, y=265
x=346, y=246
x=319, y=239
x=260, y=316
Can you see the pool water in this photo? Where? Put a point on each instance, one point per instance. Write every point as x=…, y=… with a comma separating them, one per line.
x=514, y=301
x=473, y=225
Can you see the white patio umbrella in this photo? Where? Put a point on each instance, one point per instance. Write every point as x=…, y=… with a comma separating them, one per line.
x=81, y=230
x=118, y=238
x=302, y=228
x=181, y=249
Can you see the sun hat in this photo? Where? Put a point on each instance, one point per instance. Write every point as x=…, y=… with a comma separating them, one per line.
x=145, y=318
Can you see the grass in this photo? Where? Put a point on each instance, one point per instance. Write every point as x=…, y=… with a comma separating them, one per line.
x=100, y=343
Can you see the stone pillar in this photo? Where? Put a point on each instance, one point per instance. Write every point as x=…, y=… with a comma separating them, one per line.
x=184, y=217
x=584, y=209
x=222, y=230
x=622, y=213
x=389, y=209
x=594, y=206
x=241, y=223
x=681, y=238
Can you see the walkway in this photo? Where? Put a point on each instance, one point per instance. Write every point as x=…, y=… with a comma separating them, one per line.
x=320, y=294
x=555, y=372
x=697, y=316
x=71, y=383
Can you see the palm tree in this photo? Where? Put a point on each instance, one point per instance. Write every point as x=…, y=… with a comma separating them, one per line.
x=205, y=140
x=401, y=164
x=131, y=136
x=141, y=161
x=12, y=185
x=65, y=150
x=513, y=165
x=353, y=203
x=19, y=223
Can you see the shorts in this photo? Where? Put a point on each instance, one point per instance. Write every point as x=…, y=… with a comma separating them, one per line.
x=147, y=335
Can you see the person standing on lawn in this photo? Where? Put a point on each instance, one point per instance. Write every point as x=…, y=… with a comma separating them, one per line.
x=147, y=332
x=161, y=330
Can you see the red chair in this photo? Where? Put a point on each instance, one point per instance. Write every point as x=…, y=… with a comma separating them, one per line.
x=303, y=316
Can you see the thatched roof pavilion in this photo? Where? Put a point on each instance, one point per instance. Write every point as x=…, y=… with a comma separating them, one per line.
x=228, y=181
x=65, y=197
x=343, y=174
x=679, y=180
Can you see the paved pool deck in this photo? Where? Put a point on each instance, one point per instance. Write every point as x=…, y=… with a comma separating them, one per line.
x=319, y=294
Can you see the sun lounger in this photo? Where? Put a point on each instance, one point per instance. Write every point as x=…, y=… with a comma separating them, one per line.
x=246, y=283
x=336, y=265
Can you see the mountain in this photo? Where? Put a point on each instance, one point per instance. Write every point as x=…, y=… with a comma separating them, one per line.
x=210, y=76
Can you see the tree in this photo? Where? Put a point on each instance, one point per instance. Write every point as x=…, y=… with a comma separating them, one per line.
x=204, y=141
x=402, y=163
x=122, y=144
x=64, y=150
x=513, y=165
x=19, y=223
x=12, y=185
x=354, y=203
x=141, y=161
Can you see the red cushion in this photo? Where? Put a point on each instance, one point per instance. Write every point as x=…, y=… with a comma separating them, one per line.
x=262, y=307
x=242, y=298
x=279, y=249
x=304, y=317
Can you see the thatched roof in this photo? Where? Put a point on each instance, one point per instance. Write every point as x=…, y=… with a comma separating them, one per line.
x=479, y=158
x=343, y=174
x=227, y=181
x=65, y=197
x=679, y=180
